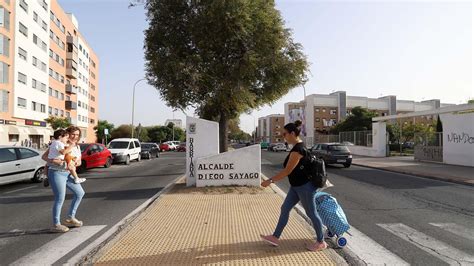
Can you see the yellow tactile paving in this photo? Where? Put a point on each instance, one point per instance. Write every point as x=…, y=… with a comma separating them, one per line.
x=199, y=226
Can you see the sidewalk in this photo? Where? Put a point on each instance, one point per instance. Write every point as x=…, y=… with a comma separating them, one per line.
x=408, y=165
x=195, y=226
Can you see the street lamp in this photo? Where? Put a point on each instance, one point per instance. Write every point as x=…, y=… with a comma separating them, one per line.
x=133, y=104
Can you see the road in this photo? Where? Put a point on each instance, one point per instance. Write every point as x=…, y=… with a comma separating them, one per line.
x=111, y=194
x=414, y=220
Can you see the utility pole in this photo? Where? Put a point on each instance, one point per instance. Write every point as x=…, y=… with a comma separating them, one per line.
x=133, y=105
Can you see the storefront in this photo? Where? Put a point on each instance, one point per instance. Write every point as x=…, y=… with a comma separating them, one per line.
x=32, y=134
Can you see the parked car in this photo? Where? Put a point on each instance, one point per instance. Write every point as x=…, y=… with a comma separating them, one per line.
x=279, y=147
x=94, y=155
x=172, y=145
x=125, y=150
x=164, y=147
x=270, y=146
x=20, y=163
x=333, y=153
x=181, y=147
x=150, y=150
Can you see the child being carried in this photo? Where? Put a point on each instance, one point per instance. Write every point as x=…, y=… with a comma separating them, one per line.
x=58, y=150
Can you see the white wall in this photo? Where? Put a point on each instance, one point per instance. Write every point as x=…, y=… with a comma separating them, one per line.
x=325, y=100
x=83, y=97
x=458, y=138
x=202, y=140
x=379, y=142
x=353, y=101
x=406, y=106
x=378, y=104
x=26, y=67
x=241, y=167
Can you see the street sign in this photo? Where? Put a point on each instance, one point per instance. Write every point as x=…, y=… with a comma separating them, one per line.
x=106, y=131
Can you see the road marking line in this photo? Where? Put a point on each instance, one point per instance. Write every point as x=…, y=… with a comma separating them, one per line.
x=20, y=189
x=456, y=229
x=435, y=247
x=370, y=251
x=59, y=247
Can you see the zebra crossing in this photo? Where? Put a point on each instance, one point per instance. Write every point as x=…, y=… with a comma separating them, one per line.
x=373, y=253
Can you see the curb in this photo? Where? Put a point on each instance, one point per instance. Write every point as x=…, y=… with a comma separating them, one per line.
x=338, y=258
x=86, y=255
x=438, y=178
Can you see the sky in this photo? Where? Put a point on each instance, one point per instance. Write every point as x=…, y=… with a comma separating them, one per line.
x=417, y=50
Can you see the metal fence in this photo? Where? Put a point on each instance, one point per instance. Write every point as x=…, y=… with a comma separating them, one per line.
x=359, y=138
x=433, y=139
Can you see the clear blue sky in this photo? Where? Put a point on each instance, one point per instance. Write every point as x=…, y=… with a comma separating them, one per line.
x=415, y=50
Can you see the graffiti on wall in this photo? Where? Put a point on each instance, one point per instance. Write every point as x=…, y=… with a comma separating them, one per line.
x=429, y=153
x=462, y=138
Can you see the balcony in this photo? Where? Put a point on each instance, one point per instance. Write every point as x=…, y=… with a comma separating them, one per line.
x=71, y=54
x=71, y=105
x=71, y=69
x=71, y=89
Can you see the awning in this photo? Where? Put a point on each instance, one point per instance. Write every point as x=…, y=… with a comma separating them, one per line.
x=13, y=130
x=33, y=131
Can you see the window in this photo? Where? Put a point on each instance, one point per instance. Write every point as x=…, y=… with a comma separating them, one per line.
x=34, y=106
x=43, y=67
x=43, y=4
x=3, y=101
x=27, y=153
x=33, y=83
x=21, y=78
x=317, y=119
x=50, y=72
x=62, y=113
x=92, y=109
x=4, y=71
x=21, y=102
x=43, y=87
x=51, y=15
x=56, y=94
x=35, y=39
x=44, y=46
x=317, y=110
x=324, y=110
x=7, y=155
x=35, y=61
x=50, y=91
x=51, y=53
x=56, y=111
x=62, y=96
x=44, y=26
x=35, y=16
x=4, y=45
x=24, y=5
x=22, y=53
x=23, y=29
x=333, y=112
x=13, y=137
x=50, y=110
x=4, y=18
x=61, y=62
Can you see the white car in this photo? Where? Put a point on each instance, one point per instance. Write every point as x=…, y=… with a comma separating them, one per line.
x=125, y=150
x=279, y=147
x=173, y=145
x=20, y=163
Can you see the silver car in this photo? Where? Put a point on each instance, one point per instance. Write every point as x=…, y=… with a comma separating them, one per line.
x=20, y=163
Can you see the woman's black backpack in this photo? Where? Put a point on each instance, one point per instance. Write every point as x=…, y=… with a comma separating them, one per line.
x=315, y=170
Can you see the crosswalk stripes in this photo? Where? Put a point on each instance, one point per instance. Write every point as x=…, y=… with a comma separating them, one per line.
x=456, y=229
x=60, y=246
x=433, y=246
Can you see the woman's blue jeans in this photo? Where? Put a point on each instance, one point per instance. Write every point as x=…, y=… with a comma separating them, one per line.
x=58, y=181
x=306, y=194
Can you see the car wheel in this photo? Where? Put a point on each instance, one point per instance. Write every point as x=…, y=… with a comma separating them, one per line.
x=139, y=158
x=127, y=160
x=347, y=165
x=108, y=163
x=38, y=176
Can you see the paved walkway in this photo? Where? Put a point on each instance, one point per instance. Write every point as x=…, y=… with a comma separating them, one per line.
x=195, y=226
x=408, y=165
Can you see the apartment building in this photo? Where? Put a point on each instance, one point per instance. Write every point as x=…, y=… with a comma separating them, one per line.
x=46, y=69
x=320, y=112
x=270, y=128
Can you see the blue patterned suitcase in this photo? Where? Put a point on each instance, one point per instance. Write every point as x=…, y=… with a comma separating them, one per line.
x=333, y=216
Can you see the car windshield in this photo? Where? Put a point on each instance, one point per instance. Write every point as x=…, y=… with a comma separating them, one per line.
x=146, y=146
x=83, y=146
x=338, y=148
x=118, y=145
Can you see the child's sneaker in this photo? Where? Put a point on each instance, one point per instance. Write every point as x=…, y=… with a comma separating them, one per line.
x=79, y=180
x=46, y=182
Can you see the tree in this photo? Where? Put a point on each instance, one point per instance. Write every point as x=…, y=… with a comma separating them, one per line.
x=157, y=134
x=58, y=122
x=99, y=130
x=221, y=57
x=123, y=131
x=142, y=133
x=360, y=119
x=471, y=101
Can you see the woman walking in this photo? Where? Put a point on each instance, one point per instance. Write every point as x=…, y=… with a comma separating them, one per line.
x=60, y=178
x=301, y=189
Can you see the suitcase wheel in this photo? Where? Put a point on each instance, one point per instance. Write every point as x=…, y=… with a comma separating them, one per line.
x=341, y=241
x=329, y=234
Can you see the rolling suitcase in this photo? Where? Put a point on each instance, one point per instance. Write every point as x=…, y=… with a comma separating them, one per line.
x=333, y=217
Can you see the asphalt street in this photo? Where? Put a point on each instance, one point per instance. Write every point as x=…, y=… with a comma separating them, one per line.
x=422, y=221
x=111, y=194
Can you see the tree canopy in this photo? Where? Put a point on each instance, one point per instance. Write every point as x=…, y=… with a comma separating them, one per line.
x=221, y=57
x=99, y=130
x=58, y=122
x=360, y=119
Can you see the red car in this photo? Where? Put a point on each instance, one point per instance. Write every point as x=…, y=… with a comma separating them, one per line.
x=164, y=147
x=181, y=147
x=94, y=155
